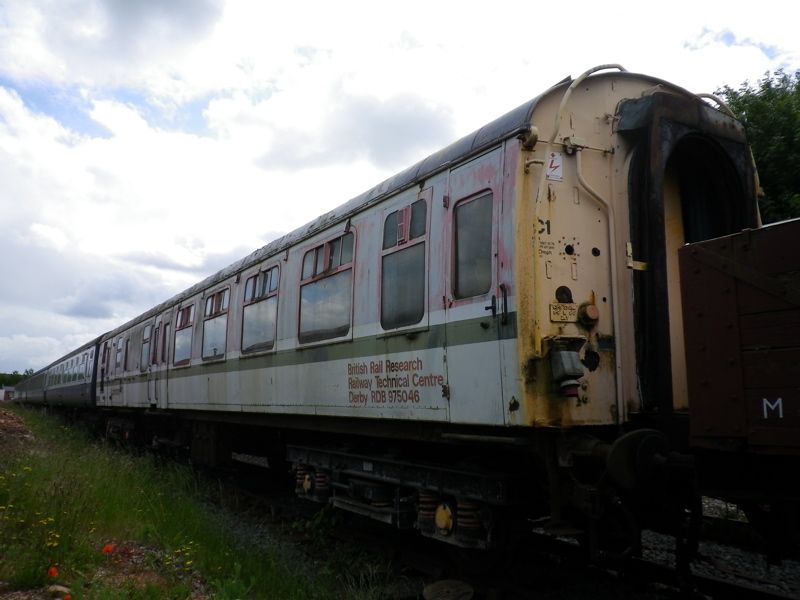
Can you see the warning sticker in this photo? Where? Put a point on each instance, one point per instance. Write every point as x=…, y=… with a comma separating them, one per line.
x=555, y=166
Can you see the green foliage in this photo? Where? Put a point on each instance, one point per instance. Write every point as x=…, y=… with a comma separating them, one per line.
x=13, y=378
x=318, y=528
x=770, y=111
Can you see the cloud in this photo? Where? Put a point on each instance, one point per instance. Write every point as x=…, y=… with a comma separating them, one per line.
x=730, y=39
x=135, y=23
x=20, y=352
x=99, y=41
x=144, y=145
x=389, y=133
x=208, y=262
x=71, y=283
x=49, y=236
x=56, y=298
x=119, y=294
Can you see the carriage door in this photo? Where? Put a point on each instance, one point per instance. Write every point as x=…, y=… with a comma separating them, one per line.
x=104, y=391
x=162, y=364
x=152, y=364
x=474, y=305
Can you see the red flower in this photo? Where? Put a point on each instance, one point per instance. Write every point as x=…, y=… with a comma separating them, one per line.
x=52, y=572
x=108, y=548
x=67, y=597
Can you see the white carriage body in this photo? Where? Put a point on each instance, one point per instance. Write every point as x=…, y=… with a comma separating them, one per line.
x=557, y=173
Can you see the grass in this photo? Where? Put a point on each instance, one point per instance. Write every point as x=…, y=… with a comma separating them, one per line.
x=75, y=504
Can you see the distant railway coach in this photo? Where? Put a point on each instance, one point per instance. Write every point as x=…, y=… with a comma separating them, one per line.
x=493, y=335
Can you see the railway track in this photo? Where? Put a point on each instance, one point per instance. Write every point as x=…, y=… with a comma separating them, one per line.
x=715, y=587
x=540, y=566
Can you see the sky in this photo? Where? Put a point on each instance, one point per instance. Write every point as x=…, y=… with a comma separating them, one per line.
x=146, y=144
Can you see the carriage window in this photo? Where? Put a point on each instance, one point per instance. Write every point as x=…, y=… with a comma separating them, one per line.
x=156, y=342
x=164, y=339
x=146, y=333
x=215, y=325
x=326, y=290
x=473, y=247
x=260, y=311
x=403, y=267
x=183, y=336
x=120, y=349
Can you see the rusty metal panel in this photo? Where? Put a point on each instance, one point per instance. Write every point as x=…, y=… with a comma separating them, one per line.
x=741, y=304
x=711, y=337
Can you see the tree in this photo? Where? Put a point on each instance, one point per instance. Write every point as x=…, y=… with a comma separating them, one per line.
x=12, y=379
x=770, y=111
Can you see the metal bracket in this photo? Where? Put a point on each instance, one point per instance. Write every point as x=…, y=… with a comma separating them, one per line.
x=636, y=265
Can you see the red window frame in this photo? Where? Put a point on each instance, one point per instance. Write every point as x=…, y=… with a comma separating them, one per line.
x=404, y=241
x=325, y=260
x=184, y=319
x=260, y=287
x=324, y=257
x=216, y=305
x=456, y=275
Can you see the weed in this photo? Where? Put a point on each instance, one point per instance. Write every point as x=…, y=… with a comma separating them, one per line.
x=74, y=504
x=368, y=582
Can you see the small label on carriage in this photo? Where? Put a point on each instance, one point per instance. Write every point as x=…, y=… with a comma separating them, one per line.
x=555, y=166
x=561, y=312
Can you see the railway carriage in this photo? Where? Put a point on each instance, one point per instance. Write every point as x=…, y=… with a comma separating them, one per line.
x=494, y=333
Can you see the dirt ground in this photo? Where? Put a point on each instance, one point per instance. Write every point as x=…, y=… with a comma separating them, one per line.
x=12, y=429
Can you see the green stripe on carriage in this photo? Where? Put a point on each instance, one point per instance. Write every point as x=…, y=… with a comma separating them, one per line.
x=459, y=333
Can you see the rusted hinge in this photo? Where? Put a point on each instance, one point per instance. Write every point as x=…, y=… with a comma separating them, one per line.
x=446, y=391
x=446, y=201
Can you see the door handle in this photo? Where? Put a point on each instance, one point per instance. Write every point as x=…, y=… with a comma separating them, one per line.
x=493, y=306
x=504, y=292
